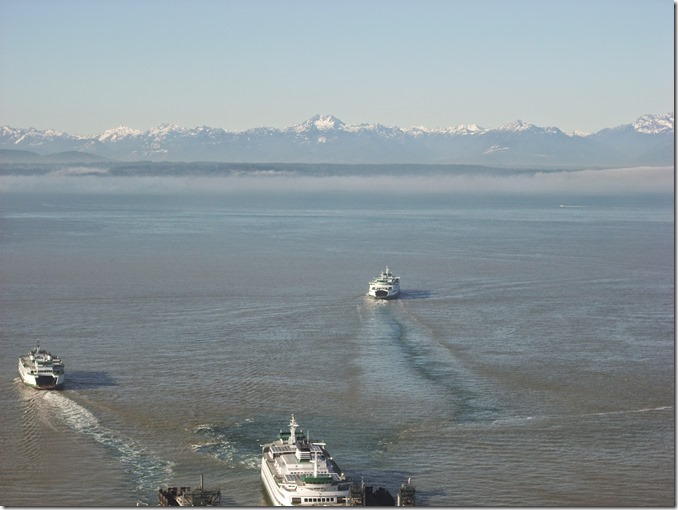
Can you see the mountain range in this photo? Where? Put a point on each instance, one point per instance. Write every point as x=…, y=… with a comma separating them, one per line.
x=649, y=140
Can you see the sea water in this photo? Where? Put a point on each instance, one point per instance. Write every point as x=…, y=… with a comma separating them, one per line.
x=529, y=360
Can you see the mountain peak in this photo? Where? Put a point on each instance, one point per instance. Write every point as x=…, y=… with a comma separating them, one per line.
x=467, y=129
x=320, y=122
x=165, y=128
x=653, y=124
x=516, y=125
x=118, y=133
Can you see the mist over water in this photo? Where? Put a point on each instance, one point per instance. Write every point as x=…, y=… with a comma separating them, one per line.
x=528, y=362
x=376, y=178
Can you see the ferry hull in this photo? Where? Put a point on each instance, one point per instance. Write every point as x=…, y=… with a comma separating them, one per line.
x=41, y=382
x=272, y=491
x=384, y=294
x=385, y=286
x=279, y=496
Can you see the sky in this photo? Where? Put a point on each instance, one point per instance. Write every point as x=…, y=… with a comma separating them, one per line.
x=85, y=66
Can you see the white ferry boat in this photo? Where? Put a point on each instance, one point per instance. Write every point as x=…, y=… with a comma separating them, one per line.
x=385, y=286
x=41, y=369
x=299, y=472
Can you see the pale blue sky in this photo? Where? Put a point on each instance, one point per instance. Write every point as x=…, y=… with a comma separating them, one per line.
x=86, y=66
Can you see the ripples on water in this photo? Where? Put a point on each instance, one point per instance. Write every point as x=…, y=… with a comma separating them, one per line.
x=529, y=360
x=47, y=411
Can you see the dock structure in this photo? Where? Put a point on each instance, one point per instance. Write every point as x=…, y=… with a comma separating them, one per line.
x=366, y=495
x=184, y=496
x=406, y=494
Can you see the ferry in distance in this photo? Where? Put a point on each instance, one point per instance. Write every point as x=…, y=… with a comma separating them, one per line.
x=41, y=369
x=384, y=286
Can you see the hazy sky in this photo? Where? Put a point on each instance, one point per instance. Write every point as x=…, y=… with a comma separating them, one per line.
x=84, y=66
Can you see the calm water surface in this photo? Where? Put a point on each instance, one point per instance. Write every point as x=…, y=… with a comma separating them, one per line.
x=529, y=361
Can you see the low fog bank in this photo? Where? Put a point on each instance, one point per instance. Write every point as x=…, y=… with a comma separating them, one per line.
x=289, y=178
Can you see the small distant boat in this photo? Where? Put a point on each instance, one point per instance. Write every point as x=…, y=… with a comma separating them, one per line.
x=184, y=496
x=298, y=472
x=41, y=369
x=385, y=286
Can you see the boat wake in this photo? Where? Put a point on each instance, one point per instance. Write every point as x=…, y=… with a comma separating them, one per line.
x=397, y=350
x=230, y=445
x=633, y=411
x=144, y=468
x=33, y=437
x=532, y=419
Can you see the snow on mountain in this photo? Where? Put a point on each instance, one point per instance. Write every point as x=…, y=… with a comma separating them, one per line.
x=113, y=135
x=462, y=129
x=495, y=148
x=325, y=138
x=166, y=130
x=653, y=124
x=467, y=129
x=518, y=126
x=318, y=123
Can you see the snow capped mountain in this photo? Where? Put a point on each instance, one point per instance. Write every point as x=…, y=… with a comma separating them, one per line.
x=518, y=126
x=118, y=133
x=319, y=123
x=32, y=136
x=462, y=129
x=466, y=129
x=326, y=139
x=653, y=124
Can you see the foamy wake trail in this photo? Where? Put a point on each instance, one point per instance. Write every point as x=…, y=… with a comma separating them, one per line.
x=226, y=445
x=526, y=419
x=632, y=411
x=146, y=469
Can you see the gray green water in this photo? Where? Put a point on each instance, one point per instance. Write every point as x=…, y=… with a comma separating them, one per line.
x=529, y=361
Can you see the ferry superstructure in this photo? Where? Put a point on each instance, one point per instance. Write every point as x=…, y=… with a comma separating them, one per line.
x=384, y=286
x=299, y=472
x=41, y=369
